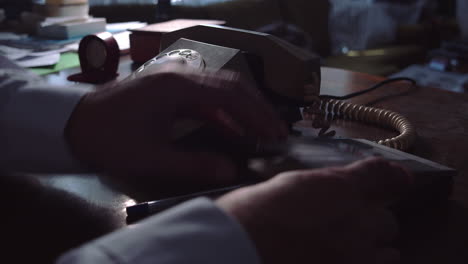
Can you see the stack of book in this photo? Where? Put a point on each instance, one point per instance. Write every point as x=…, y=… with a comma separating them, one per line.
x=62, y=8
x=65, y=19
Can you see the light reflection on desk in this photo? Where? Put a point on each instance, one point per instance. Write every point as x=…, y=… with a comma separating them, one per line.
x=90, y=188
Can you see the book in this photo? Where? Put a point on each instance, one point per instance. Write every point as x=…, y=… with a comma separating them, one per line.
x=145, y=41
x=73, y=29
x=49, y=21
x=53, y=10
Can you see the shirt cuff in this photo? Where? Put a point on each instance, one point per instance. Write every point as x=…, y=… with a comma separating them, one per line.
x=194, y=232
x=33, y=120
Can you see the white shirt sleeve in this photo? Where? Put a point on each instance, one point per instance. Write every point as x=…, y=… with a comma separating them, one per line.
x=33, y=116
x=194, y=232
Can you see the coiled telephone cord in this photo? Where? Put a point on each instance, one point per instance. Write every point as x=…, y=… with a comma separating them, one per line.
x=375, y=116
x=333, y=105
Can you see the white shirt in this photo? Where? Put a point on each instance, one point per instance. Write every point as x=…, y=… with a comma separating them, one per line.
x=33, y=117
x=194, y=232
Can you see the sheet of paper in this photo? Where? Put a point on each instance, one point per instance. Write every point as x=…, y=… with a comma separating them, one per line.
x=13, y=53
x=60, y=20
x=425, y=76
x=38, y=44
x=11, y=36
x=38, y=61
x=124, y=26
x=67, y=60
x=66, y=48
x=30, y=58
x=123, y=40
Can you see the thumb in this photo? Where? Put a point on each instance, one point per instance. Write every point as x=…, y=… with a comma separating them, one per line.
x=379, y=180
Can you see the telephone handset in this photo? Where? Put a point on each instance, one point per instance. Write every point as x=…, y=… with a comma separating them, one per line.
x=286, y=74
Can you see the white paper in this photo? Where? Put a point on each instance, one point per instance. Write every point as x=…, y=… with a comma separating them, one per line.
x=50, y=21
x=119, y=27
x=425, y=76
x=13, y=53
x=33, y=61
x=70, y=47
x=123, y=40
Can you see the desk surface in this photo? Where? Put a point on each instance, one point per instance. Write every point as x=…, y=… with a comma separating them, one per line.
x=441, y=120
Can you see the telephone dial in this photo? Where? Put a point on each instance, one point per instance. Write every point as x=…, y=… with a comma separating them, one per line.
x=287, y=75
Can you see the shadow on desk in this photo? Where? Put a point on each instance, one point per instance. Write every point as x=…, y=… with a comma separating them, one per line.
x=39, y=223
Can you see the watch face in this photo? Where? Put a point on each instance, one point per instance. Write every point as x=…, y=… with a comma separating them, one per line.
x=99, y=59
x=96, y=53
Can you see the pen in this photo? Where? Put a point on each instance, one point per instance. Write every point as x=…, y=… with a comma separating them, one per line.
x=152, y=207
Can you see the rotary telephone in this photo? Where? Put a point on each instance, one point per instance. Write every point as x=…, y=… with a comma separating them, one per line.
x=290, y=85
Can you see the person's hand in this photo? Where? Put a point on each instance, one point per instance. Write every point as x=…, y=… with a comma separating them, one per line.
x=326, y=216
x=127, y=129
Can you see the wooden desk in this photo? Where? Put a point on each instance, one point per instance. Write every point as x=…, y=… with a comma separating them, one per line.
x=441, y=120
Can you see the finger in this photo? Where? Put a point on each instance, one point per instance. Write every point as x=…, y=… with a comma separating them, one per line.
x=253, y=103
x=379, y=180
x=224, y=92
x=387, y=256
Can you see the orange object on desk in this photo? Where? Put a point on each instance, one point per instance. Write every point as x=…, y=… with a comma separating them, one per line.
x=145, y=41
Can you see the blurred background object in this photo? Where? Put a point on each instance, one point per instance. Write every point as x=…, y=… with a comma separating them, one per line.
x=2, y=15
x=364, y=24
x=380, y=37
x=462, y=18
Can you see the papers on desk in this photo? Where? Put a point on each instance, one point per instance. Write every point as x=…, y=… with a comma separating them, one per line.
x=27, y=51
x=123, y=40
x=122, y=35
x=11, y=36
x=32, y=52
x=30, y=58
x=425, y=76
x=13, y=53
x=33, y=61
x=124, y=26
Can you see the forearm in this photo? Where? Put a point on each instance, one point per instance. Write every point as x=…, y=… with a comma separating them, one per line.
x=194, y=232
x=33, y=117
